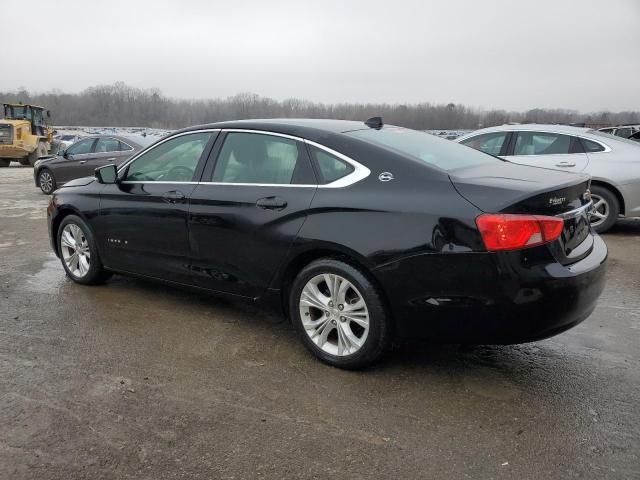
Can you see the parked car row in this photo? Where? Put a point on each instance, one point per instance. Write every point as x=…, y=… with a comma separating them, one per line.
x=361, y=232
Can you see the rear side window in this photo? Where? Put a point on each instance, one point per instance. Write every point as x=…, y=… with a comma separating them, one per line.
x=624, y=132
x=490, y=143
x=81, y=147
x=256, y=158
x=125, y=147
x=591, y=147
x=541, y=143
x=329, y=167
x=107, y=145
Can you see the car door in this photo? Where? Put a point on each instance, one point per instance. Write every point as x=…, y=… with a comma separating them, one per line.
x=75, y=158
x=247, y=210
x=548, y=150
x=142, y=226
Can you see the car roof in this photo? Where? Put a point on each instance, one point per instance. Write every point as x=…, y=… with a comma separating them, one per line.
x=293, y=126
x=534, y=127
x=137, y=140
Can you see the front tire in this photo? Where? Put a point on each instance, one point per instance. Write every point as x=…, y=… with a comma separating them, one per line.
x=46, y=182
x=607, y=208
x=78, y=252
x=339, y=314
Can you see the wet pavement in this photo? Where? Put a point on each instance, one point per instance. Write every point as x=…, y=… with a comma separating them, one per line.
x=140, y=380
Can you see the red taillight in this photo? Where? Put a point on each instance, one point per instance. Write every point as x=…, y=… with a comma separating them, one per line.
x=510, y=232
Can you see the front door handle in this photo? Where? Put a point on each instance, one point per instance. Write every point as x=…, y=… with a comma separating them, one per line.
x=566, y=164
x=271, y=203
x=82, y=162
x=111, y=159
x=174, y=196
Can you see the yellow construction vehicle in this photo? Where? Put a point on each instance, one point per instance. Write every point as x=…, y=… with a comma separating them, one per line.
x=24, y=134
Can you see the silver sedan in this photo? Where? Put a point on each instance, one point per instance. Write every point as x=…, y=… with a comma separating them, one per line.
x=613, y=162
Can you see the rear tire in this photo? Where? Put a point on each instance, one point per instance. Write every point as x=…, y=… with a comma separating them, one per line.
x=31, y=159
x=46, y=181
x=344, y=324
x=607, y=208
x=25, y=161
x=4, y=162
x=79, y=253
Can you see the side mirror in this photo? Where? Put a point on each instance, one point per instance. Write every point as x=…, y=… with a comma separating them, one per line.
x=48, y=113
x=107, y=174
x=64, y=154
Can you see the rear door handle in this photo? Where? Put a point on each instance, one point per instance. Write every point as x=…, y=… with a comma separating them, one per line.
x=566, y=164
x=173, y=196
x=111, y=159
x=271, y=203
x=82, y=162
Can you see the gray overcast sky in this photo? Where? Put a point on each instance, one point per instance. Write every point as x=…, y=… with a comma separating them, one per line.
x=579, y=54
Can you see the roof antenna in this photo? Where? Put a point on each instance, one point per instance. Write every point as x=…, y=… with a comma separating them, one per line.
x=374, y=122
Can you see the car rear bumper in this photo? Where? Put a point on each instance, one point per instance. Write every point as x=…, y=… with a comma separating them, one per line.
x=499, y=298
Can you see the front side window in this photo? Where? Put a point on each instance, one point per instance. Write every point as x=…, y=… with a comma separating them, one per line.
x=172, y=161
x=107, y=145
x=256, y=158
x=490, y=143
x=81, y=147
x=329, y=167
x=541, y=143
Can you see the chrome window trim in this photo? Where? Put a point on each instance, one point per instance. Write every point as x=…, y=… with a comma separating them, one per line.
x=360, y=172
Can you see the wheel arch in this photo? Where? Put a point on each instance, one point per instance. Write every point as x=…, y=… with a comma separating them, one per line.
x=301, y=259
x=63, y=212
x=613, y=189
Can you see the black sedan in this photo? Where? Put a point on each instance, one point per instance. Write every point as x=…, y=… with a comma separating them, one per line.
x=83, y=157
x=360, y=232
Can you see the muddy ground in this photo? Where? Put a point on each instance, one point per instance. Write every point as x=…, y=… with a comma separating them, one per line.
x=139, y=380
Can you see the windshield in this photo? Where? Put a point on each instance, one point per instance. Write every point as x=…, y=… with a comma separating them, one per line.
x=428, y=148
x=609, y=136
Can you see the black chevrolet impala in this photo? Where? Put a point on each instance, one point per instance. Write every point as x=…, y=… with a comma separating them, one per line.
x=361, y=232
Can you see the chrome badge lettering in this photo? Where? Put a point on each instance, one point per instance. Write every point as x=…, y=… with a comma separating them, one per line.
x=557, y=200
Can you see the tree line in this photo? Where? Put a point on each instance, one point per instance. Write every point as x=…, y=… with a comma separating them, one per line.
x=122, y=105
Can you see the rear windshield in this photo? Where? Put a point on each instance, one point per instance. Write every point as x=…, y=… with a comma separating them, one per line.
x=425, y=147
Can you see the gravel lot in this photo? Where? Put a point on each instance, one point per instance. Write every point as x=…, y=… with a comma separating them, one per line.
x=139, y=380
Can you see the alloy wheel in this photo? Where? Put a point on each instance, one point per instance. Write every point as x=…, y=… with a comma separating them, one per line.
x=46, y=181
x=334, y=314
x=600, y=211
x=75, y=250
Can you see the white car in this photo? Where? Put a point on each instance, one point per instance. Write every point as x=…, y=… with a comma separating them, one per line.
x=613, y=162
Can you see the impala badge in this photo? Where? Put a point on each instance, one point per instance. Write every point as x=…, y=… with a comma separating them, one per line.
x=385, y=177
x=557, y=200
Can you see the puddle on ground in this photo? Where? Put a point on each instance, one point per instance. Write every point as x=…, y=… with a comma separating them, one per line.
x=50, y=279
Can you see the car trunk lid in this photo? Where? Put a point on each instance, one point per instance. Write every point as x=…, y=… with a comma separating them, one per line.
x=510, y=188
